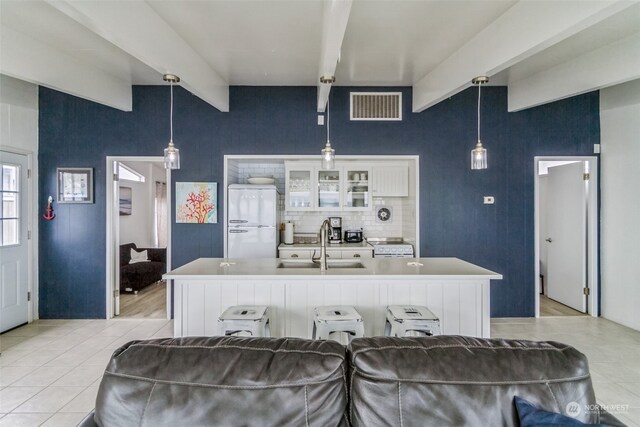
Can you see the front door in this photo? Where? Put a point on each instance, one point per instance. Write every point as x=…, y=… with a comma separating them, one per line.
x=567, y=235
x=13, y=241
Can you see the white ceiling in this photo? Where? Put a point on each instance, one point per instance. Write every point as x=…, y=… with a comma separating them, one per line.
x=98, y=49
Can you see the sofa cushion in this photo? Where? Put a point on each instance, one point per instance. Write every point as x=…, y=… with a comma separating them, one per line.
x=532, y=416
x=138, y=256
x=224, y=381
x=453, y=380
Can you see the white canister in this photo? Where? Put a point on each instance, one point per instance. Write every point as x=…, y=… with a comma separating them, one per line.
x=288, y=233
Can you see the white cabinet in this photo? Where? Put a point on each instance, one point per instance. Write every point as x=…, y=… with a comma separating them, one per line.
x=300, y=186
x=357, y=188
x=331, y=253
x=345, y=188
x=390, y=180
x=295, y=253
x=357, y=253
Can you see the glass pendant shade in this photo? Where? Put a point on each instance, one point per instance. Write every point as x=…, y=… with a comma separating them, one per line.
x=171, y=157
x=328, y=156
x=171, y=153
x=479, y=153
x=328, y=153
x=479, y=157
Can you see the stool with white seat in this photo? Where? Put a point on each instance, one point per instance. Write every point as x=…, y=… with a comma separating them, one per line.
x=245, y=319
x=412, y=320
x=330, y=320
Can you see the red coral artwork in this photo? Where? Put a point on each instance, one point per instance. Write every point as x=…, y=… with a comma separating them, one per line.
x=196, y=202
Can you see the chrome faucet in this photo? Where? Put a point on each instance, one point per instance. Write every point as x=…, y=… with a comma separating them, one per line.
x=325, y=229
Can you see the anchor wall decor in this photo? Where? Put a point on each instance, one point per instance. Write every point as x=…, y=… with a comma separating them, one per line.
x=49, y=215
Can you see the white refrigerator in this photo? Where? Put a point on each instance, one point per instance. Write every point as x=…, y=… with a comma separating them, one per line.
x=252, y=230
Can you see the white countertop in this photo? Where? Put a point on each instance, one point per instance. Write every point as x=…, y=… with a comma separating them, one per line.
x=310, y=246
x=393, y=268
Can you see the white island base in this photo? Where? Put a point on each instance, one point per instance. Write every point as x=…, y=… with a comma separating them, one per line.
x=454, y=290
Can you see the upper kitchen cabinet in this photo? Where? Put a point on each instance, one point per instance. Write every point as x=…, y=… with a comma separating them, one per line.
x=390, y=180
x=300, y=186
x=330, y=188
x=309, y=187
x=357, y=194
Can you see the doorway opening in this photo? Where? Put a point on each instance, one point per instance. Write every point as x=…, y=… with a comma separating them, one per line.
x=138, y=237
x=566, y=238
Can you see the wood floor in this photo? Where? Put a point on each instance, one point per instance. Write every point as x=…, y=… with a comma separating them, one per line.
x=549, y=307
x=149, y=303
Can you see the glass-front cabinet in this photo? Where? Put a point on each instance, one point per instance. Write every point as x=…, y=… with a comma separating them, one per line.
x=329, y=189
x=300, y=191
x=357, y=194
x=309, y=187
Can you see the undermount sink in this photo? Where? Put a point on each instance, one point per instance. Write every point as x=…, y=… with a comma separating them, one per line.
x=331, y=263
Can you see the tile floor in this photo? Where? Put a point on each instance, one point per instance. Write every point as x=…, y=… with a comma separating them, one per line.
x=50, y=370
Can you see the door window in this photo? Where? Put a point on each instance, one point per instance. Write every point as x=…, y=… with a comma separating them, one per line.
x=10, y=200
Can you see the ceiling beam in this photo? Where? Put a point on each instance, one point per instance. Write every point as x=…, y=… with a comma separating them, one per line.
x=523, y=30
x=31, y=60
x=606, y=66
x=137, y=29
x=334, y=25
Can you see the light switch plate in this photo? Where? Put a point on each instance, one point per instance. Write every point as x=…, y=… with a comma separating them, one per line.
x=596, y=148
x=489, y=200
x=320, y=120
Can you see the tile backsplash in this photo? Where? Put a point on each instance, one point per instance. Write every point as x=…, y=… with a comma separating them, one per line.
x=309, y=222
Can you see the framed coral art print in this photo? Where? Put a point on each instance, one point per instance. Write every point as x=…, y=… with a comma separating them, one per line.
x=197, y=202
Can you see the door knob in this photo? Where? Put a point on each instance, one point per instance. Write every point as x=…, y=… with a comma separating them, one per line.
x=548, y=239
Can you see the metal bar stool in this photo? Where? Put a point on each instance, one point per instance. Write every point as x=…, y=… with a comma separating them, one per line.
x=243, y=319
x=330, y=320
x=412, y=320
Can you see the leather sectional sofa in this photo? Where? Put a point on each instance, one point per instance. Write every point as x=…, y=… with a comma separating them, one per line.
x=379, y=381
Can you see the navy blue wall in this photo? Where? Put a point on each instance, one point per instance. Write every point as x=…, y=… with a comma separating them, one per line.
x=282, y=120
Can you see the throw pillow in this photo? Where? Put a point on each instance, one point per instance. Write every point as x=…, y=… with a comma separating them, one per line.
x=138, y=256
x=531, y=416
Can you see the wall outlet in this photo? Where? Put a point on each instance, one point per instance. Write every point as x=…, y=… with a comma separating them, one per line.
x=320, y=120
x=489, y=200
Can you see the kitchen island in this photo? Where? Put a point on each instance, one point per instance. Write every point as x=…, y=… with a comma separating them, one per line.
x=454, y=290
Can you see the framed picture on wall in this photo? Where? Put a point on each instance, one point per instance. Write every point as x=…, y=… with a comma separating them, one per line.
x=126, y=198
x=75, y=185
x=197, y=202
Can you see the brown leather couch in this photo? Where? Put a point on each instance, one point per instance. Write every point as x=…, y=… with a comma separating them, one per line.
x=379, y=381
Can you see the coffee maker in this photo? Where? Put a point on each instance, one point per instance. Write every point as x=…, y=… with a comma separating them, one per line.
x=336, y=229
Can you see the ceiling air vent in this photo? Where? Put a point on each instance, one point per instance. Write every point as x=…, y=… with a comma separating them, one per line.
x=376, y=105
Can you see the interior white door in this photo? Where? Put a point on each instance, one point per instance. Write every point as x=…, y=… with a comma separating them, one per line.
x=115, y=238
x=14, y=251
x=567, y=235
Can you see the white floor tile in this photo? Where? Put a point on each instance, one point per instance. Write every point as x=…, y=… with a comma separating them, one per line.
x=42, y=376
x=51, y=399
x=6, y=342
x=11, y=374
x=12, y=397
x=9, y=356
x=81, y=376
x=84, y=402
x=69, y=419
x=24, y=420
x=37, y=358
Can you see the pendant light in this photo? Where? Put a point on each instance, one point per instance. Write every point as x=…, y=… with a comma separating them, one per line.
x=479, y=153
x=328, y=153
x=171, y=153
